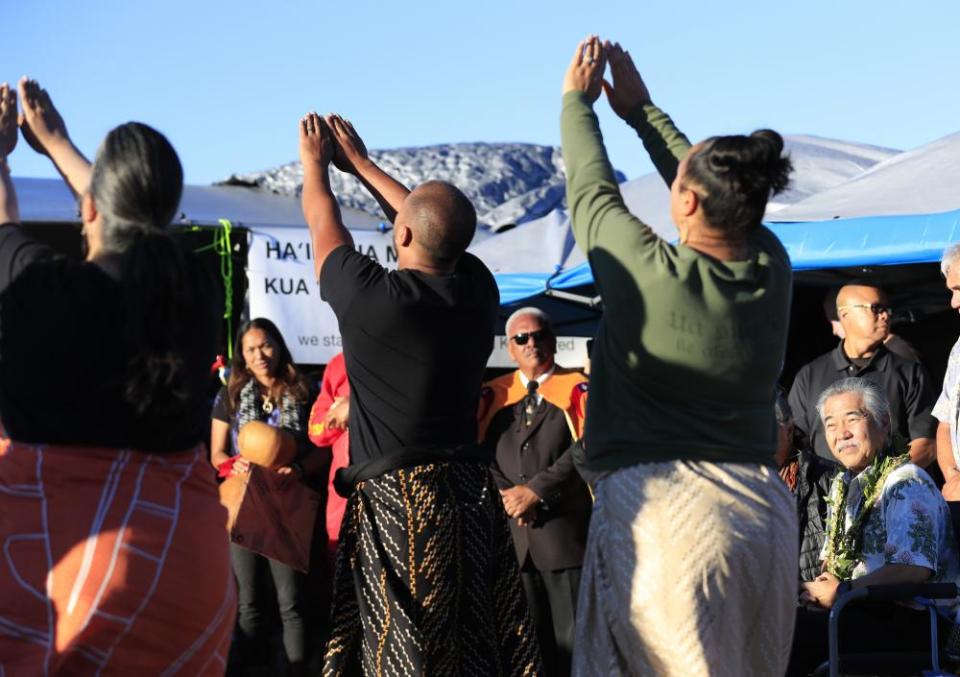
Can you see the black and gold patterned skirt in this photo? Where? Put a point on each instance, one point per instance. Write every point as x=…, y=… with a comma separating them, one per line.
x=426, y=579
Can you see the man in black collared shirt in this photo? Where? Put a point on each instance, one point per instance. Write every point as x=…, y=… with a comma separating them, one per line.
x=865, y=315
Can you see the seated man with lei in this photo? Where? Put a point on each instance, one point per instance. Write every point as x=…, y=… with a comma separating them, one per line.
x=887, y=523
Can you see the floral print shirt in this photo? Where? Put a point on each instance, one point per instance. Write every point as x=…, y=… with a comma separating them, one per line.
x=909, y=524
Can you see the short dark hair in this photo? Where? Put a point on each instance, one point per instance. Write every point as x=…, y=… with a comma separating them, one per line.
x=443, y=220
x=738, y=174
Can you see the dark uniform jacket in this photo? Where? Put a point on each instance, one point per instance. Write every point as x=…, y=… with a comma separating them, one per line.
x=540, y=456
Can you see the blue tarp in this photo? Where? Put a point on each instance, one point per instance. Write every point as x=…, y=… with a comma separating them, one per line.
x=838, y=243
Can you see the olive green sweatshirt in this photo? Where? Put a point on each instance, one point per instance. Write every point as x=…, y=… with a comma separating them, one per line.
x=689, y=348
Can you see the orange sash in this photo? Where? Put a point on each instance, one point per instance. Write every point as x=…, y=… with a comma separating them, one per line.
x=566, y=389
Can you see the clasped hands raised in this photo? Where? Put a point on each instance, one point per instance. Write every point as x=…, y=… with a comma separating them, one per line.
x=331, y=138
x=625, y=90
x=39, y=122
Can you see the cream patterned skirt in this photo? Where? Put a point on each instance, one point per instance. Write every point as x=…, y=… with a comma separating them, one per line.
x=691, y=570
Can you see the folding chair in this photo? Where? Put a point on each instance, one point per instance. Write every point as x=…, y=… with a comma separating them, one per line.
x=890, y=664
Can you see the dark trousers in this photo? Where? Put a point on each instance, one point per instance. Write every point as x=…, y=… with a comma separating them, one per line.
x=249, y=568
x=864, y=627
x=552, y=597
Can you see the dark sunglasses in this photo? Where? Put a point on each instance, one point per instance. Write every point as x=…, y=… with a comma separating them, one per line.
x=875, y=308
x=538, y=336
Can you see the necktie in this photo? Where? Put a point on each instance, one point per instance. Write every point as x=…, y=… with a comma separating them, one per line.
x=530, y=402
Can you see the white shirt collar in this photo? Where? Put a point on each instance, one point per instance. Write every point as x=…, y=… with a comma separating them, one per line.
x=540, y=380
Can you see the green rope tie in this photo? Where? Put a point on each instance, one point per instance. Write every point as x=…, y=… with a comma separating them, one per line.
x=223, y=247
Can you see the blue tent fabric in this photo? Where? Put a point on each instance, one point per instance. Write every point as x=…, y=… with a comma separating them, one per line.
x=812, y=245
x=518, y=286
x=869, y=240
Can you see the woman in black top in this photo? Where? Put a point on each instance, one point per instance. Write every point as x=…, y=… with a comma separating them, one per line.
x=114, y=350
x=104, y=365
x=264, y=386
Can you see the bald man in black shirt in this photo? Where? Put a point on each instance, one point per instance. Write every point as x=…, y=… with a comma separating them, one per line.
x=864, y=314
x=426, y=581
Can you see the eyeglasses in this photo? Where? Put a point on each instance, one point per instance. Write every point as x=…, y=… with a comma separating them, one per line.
x=539, y=336
x=875, y=308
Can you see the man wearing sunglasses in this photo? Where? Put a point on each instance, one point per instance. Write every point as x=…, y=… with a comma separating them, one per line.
x=894, y=343
x=864, y=315
x=529, y=419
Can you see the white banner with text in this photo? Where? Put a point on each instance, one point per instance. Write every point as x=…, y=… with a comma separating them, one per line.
x=283, y=288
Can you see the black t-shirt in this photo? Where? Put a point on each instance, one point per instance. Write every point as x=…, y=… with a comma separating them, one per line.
x=907, y=384
x=415, y=346
x=63, y=357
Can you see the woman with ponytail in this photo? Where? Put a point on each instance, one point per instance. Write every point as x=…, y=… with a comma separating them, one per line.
x=103, y=373
x=693, y=537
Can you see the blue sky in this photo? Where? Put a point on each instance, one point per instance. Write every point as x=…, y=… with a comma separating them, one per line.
x=227, y=81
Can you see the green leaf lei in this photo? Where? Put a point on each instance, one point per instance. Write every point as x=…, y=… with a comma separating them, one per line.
x=844, y=547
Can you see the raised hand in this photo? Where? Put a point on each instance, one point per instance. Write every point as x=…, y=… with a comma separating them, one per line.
x=349, y=149
x=316, y=144
x=585, y=72
x=627, y=90
x=8, y=120
x=40, y=123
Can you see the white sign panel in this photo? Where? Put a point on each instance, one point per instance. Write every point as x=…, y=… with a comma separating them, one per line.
x=283, y=289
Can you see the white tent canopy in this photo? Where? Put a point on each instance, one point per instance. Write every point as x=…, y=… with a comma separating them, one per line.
x=50, y=201
x=921, y=181
x=545, y=246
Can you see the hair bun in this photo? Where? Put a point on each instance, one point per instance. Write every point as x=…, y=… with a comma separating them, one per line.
x=770, y=137
x=739, y=174
x=771, y=161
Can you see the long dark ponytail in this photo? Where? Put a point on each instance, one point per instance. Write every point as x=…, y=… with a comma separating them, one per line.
x=136, y=184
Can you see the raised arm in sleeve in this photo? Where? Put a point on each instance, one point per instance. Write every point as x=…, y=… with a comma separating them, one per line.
x=597, y=211
x=666, y=144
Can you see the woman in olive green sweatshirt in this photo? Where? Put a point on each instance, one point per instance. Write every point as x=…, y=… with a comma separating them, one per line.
x=692, y=556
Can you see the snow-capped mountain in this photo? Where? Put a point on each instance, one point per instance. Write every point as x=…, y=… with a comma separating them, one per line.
x=509, y=183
